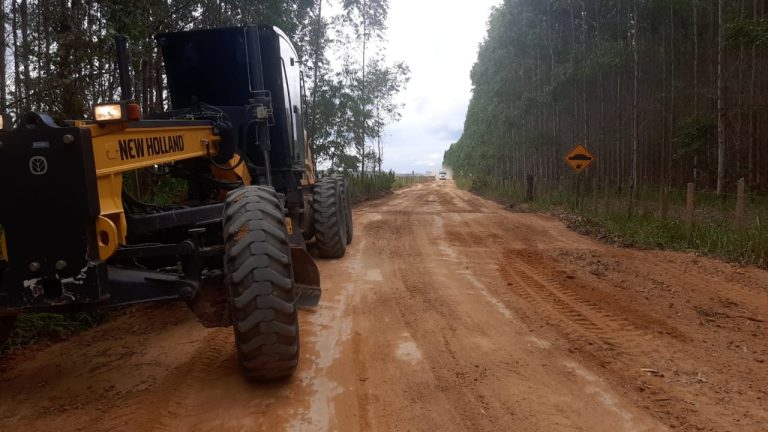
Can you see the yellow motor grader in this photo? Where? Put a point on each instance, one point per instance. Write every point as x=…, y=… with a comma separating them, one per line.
x=72, y=236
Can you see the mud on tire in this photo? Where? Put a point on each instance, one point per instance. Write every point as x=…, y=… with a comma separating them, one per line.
x=259, y=279
x=329, y=218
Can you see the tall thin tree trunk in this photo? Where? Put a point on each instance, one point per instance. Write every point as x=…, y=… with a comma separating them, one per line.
x=555, y=113
x=720, y=99
x=584, y=75
x=635, y=97
x=619, y=154
x=740, y=105
x=752, y=131
x=362, y=97
x=3, y=51
x=16, y=66
x=158, y=82
x=671, y=95
x=575, y=119
x=601, y=95
x=24, y=55
x=315, y=70
x=695, y=79
x=664, y=118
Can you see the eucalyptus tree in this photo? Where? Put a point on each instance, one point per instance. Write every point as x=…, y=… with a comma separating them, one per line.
x=663, y=91
x=367, y=20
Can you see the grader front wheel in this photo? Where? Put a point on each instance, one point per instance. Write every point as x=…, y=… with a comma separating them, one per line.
x=259, y=278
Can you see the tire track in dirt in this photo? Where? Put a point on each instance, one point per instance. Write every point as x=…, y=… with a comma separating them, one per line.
x=438, y=327
x=678, y=277
x=172, y=401
x=577, y=317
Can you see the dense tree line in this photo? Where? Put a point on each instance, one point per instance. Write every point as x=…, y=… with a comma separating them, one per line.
x=59, y=58
x=661, y=91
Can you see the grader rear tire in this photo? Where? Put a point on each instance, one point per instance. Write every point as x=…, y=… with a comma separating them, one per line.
x=329, y=218
x=259, y=279
x=347, y=202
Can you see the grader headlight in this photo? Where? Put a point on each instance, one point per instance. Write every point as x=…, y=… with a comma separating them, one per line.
x=6, y=122
x=116, y=112
x=112, y=112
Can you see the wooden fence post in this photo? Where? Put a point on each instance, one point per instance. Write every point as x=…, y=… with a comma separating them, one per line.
x=577, y=200
x=529, y=188
x=689, y=212
x=740, y=204
x=594, y=196
x=663, y=201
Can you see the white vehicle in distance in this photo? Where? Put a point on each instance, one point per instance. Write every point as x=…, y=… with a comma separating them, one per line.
x=443, y=175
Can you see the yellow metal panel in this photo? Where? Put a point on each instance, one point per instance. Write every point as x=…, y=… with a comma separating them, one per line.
x=111, y=202
x=232, y=171
x=106, y=237
x=143, y=147
x=118, y=149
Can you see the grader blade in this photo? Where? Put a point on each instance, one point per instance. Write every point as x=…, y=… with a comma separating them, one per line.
x=306, y=277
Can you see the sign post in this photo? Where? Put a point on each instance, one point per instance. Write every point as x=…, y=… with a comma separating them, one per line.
x=579, y=159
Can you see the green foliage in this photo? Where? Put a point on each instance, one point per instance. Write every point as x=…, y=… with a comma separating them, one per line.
x=368, y=18
x=155, y=190
x=39, y=327
x=349, y=107
x=62, y=57
x=695, y=134
x=370, y=186
x=713, y=238
x=404, y=181
x=748, y=32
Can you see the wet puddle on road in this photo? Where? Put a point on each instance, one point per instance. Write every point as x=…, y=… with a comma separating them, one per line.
x=596, y=387
x=538, y=342
x=408, y=351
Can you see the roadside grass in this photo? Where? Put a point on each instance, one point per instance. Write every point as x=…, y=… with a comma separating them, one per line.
x=375, y=185
x=367, y=187
x=31, y=328
x=407, y=181
x=713, y=232
x=745, y=246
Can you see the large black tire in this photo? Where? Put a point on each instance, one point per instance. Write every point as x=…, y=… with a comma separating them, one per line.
x=6, y=326
x=259, y=279
x=347, y=202
x=329, y=215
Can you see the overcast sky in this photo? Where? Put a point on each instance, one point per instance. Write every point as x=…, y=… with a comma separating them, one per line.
x=438, y=39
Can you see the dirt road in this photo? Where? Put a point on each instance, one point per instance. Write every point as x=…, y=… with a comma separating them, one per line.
x=449, y=313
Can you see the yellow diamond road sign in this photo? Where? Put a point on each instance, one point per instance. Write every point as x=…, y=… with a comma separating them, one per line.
x=579, y=158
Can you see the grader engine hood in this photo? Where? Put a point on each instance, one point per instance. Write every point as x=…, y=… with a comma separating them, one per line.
x=238, y=67
x=48, y=208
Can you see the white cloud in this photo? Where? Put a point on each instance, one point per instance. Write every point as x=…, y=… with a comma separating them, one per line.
x=439, y=41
